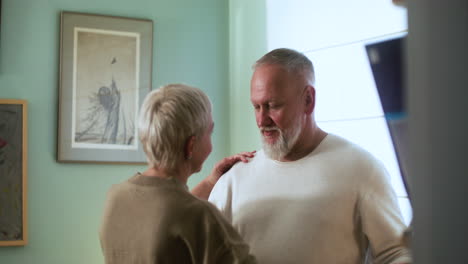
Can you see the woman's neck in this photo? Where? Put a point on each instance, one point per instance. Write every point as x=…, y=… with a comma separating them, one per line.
x=181, y=174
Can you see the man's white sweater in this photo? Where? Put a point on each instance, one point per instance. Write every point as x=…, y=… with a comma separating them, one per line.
x=327, y=207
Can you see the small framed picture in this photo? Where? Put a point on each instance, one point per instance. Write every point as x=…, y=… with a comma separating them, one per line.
x=105, y=73
x=13, y=172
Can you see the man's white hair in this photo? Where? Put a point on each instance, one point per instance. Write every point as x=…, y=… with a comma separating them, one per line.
x=169, y=116
x=291, y=60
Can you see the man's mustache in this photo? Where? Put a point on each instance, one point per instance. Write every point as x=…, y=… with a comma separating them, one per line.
x=273, y=128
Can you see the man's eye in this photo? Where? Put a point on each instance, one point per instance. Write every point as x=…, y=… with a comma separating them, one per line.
x=273, y=106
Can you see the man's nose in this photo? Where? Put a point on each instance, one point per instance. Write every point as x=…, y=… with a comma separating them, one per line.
x=263, y=118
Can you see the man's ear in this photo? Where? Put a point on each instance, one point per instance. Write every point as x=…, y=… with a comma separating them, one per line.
x=189, y=145
x=309, y=100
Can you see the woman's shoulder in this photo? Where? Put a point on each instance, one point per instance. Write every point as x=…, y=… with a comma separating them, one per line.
x=201, y=209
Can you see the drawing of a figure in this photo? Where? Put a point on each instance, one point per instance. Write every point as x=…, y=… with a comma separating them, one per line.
x=105, y=106
x=110, y=100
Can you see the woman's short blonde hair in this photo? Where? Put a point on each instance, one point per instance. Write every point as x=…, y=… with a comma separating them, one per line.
x=168, y=117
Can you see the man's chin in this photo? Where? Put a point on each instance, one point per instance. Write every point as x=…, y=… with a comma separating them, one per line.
x=274, y=155
x=269, y=141
x=271, y=150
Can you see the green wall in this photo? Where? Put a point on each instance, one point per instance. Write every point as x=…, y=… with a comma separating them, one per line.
x=65, y=200
x=247, y=39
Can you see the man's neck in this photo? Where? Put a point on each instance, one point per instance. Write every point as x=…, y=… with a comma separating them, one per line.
x=307, y=142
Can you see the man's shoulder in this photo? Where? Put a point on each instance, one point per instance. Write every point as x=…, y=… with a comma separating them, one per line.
x=237, y=174
x=242, y=168
x=352, y=155
x=348, y=147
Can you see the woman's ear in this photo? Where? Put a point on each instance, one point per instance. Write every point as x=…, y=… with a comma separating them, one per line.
x=310, y=99
x=189, y=145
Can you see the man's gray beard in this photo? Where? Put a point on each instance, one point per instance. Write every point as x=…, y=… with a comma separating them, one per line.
x=285, y=142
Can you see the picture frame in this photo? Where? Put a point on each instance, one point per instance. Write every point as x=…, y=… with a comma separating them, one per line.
x=13, y=171
x=105, y=73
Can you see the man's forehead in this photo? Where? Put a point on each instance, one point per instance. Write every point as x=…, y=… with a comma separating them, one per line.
x=273, y=92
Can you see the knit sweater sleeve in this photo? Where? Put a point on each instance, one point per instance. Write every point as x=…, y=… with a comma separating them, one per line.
x=233, y=248
x=214, y=240
x=381, y=219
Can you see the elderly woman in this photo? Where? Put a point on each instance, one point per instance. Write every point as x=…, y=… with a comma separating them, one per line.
x=152, y=217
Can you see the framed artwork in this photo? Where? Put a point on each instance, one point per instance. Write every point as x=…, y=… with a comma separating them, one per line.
x=13, y=171
x=105, y=73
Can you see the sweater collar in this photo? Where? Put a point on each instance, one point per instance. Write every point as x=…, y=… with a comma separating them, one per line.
x=140, y=179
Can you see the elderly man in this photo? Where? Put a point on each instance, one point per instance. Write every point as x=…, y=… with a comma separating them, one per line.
x=308, y=196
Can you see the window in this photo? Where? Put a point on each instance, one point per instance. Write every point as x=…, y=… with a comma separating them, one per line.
x=333, y=34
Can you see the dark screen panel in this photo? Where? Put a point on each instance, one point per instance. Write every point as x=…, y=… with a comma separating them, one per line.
x=386, y=62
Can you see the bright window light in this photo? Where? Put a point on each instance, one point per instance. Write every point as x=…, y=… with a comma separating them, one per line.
x=333, y=34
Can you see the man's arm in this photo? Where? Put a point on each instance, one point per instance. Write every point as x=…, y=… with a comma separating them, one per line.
x=203, y=189
x=382, y=220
